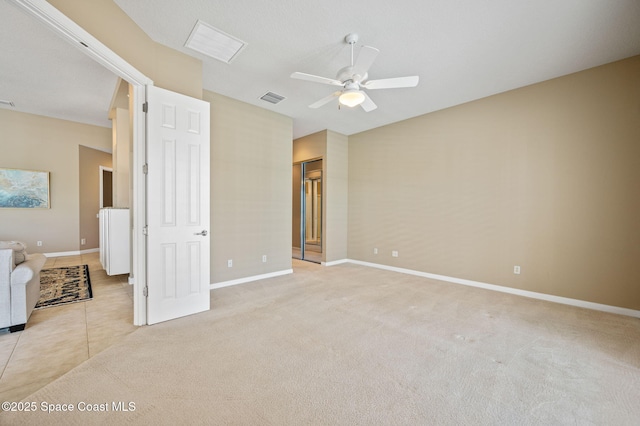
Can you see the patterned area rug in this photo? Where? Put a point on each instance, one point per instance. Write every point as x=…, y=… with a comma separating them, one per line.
x=68, y=284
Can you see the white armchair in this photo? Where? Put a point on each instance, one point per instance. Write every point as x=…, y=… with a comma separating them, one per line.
x=19, y=287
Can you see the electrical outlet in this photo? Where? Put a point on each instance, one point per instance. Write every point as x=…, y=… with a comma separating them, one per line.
x=264, y=258
x=375, y=251
x=394, y=253
x=39, y=243
x=83, y=241
x=516, y=270
x=230, y=263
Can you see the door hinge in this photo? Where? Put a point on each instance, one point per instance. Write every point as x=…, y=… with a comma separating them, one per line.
x=145, y=169
x=145, y=291
x=145, y=230
x=145, y=107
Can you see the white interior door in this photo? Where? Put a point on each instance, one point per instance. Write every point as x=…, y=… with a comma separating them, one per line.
x=177, y=205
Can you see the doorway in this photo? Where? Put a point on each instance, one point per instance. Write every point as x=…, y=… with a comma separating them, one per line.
x=307, y=211
x=106, y=187
x=60, y=24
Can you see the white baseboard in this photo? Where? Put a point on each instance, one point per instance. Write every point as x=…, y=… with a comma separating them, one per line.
x=335, y=262
x=532, y=294
x=249, y=279
x=71, y=253
x=62, y=253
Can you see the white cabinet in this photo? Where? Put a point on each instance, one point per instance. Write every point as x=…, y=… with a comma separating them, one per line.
x=115, y=240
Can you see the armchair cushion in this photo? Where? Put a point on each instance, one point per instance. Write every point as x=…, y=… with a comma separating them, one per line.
x=19, y=250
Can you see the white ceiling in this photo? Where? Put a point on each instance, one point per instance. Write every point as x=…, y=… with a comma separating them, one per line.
x=462, y=50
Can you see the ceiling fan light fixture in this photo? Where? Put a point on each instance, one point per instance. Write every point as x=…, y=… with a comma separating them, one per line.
x=351, y=98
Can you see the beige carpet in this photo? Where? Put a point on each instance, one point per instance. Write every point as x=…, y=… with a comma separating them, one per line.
x=351, y=345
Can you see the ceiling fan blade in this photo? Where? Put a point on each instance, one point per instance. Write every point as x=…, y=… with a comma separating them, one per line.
x=368, y=104
x=365, y=59
x=392, y=83
x=316, y=78
x=326, y=100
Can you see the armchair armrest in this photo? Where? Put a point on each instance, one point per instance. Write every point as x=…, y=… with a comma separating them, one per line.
x=27, y=270
x=6, y=267
x=23, y=273
x=7, y=264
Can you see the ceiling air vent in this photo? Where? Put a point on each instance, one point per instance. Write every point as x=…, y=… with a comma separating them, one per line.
x=214, y=43
x=273, y=98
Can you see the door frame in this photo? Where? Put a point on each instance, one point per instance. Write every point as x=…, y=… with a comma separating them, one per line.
x=303, y=230
x=92, y=47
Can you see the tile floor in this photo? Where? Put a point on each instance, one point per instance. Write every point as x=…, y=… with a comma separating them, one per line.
x=59, y=338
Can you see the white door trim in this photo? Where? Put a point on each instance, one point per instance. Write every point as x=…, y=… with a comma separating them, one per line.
x=85, y=42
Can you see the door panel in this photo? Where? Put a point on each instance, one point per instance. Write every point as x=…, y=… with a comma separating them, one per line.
x=177, y=205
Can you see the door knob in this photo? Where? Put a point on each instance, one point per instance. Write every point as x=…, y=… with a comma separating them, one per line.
x=203, y=233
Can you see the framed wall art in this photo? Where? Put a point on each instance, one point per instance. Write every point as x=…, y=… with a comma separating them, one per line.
x=24, y=189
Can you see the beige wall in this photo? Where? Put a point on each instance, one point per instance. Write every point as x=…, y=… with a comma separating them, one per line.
x=40, y=143
x=311, y=147
x=122, y=158
x=90, y=161
x=336, y=189
x=332, y=147
x=168, y=68
x=546, y=177
x=250, y=189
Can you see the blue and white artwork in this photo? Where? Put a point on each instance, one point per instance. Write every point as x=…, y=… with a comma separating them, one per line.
x=24, y=189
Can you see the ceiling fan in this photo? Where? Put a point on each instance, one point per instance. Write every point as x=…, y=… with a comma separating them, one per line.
x=353, y=79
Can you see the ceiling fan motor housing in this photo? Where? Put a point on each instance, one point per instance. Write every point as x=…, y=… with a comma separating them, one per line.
x=345, y=74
